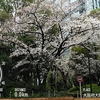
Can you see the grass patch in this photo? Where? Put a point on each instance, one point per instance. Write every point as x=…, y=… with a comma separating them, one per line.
x=95, y=88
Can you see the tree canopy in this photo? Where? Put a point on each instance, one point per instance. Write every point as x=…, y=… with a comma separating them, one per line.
x=39, y=32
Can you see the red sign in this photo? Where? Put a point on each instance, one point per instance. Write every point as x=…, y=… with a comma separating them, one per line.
x=79, y=78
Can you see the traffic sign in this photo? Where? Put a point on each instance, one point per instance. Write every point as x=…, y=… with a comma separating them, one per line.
x=79, y=78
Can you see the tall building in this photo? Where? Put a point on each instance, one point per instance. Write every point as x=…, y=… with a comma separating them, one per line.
x=85, y=6
x=92, y=4
x=95, y=4
x=79, y=6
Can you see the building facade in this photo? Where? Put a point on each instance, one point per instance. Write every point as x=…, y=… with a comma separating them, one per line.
x=85, y=6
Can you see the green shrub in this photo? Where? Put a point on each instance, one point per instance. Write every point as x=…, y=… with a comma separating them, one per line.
x=73, y=89
x=95, y=13
x=4, y=16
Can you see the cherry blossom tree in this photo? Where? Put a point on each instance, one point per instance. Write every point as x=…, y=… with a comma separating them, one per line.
x=52, y=31
x=85, y=57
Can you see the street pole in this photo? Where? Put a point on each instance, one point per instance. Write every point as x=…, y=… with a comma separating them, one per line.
x=80, y=90
x=80, y=79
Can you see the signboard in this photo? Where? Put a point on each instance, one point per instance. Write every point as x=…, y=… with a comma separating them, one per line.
x=80, y=79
